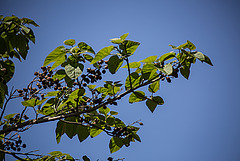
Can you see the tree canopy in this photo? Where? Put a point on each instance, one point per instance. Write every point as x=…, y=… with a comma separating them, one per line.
x=72, y=89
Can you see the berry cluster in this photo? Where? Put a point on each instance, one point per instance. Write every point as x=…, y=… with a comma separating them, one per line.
x=93, y=75
x=123, y=131
x=45, y=79
x=14, y=145
x=16, y=119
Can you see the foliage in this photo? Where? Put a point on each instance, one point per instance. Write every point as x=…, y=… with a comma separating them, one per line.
x=72, y=92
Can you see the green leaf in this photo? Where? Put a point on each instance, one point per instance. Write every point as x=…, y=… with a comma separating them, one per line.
x=154, y=87
x=167, y=56
x=104, y=111
x=73, y=71
x=183, y=46
x=137, y=96
x=76, y=94
x=7, y=117
x=113, y=113
x=52, y=93
x=21, y=45
x=30, y=36
x=69, y=42
x=88, y=57
x=207, y=60
x=56, y=153
x=148, y=68
x=124, y=36
x=153, y=74
x=85, y=48
x=114, y=64
x=200, y=56
x=115, y=144
x=119, y=123
x=60, y=74
x=59, y=61
x=29, y=21
x=69, y=81
x=116, y=40
x=25, y=29
x=131, y=46
x=85, y=158
x=149, y=59
x=135, y=79
x=126, y=141
x=102, y=54
x=55, y=55
x=60, y=130
x=32, y=102
x=168, y=69
x=70, y=128
x=102, y=89
x=185, y=69
x=153, y=102
x=119, y=40
x=135, y=136
x=95, y=132
x=190, y=45
x=10, y=69
x=91, y=87
x=82, y=132
x=110, y=120
x=133, y=65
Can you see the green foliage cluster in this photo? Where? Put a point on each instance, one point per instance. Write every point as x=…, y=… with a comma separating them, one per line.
x=14, y=42
x=71, y=87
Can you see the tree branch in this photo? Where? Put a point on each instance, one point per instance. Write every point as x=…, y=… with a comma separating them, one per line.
x=61, y=116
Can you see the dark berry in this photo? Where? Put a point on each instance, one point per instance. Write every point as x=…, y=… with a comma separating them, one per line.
x=36, y=73
x=103, y=71
x=168, y=79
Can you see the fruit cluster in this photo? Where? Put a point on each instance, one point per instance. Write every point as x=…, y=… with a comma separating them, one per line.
x=93, y=75
x=15, y=145
x=17, y=118
x=123, y=131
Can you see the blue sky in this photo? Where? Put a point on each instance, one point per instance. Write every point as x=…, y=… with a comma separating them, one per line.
x=200, y=118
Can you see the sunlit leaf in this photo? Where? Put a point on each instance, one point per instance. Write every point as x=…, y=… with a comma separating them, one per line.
x=168, y=69
x=133, y=65
x=102, y=54
x=85, y=47
x=190, y=45
x=149, y=59
x=154, y=87
x=137, y=96
x=95, y=132
x=167, y=56
x=56, y=54
x=73, y=71
x=69, y=42
x=115, y=144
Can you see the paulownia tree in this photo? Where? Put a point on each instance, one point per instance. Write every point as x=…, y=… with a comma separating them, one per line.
x=70, y=88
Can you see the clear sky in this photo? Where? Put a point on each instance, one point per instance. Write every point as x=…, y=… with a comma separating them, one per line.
x=200, y=118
